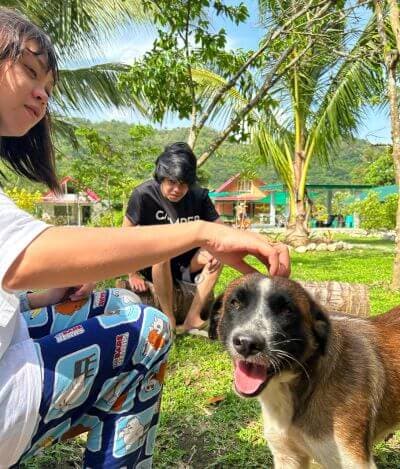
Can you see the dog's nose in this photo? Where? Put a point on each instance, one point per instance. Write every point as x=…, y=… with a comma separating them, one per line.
x=247, y=344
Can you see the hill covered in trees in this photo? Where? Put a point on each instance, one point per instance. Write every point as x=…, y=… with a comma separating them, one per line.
x=141, y=146
x=348, y=165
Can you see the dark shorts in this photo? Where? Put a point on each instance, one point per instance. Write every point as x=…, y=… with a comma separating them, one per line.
x=179, y=272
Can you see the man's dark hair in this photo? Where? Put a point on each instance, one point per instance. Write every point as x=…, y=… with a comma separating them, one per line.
x=31, y=155
x=178, y=163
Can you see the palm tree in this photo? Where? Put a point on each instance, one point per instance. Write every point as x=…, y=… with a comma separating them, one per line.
x=389, y=32
x=321, y=103
x=76, y=28
x=318, y=101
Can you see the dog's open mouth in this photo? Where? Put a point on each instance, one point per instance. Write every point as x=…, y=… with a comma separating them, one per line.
x=250, y=378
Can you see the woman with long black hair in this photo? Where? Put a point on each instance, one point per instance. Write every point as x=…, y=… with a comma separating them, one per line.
x=92, y=364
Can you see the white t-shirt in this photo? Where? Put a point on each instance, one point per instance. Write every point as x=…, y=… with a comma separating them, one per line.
x=21, y=377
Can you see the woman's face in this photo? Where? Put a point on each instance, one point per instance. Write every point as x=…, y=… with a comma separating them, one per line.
x=25, y=88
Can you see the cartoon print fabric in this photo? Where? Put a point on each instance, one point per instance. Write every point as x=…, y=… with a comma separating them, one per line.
x=104, y=363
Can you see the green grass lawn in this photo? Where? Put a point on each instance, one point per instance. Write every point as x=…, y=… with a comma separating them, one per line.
x=204, y=424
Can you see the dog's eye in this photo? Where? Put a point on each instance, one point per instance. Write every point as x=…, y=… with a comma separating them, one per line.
x=235, y=303
x=280, y=303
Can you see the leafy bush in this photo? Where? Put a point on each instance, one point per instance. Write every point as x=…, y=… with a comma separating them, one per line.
x=375, y=214
x=339, y=202
x=108, y=219
x=25, y=200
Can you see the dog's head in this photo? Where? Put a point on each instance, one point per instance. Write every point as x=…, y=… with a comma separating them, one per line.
x=268, y=326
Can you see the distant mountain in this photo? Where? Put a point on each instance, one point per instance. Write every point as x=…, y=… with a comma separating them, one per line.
x=345, y=167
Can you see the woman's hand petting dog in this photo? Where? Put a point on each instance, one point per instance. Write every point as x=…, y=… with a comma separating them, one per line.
x=231, y=246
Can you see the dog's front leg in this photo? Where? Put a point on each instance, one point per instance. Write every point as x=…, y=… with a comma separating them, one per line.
x=286, y=454
x=287, y=461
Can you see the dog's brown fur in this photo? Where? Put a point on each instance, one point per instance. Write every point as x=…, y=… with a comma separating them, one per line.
x=341, y=396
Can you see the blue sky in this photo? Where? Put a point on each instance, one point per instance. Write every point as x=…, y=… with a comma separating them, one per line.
x=125, y=46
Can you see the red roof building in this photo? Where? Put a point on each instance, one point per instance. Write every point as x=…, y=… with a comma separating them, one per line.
x=238, y=192
x=72, y=205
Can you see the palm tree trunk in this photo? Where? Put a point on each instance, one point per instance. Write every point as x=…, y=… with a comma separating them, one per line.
x=297, y=234
x=391, y=60
x=349, y=298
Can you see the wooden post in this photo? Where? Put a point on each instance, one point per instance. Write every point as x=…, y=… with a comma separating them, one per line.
x=272, y=209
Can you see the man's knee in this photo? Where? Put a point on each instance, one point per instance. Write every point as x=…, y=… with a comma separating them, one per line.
x=164, y=266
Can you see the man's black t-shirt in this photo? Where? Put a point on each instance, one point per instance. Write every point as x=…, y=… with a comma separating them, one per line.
x=147, y=206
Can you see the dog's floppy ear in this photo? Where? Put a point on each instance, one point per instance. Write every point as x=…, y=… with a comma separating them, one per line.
x=215, y=316
x=321, y=325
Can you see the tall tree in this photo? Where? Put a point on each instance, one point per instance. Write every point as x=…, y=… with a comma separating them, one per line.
x=389, y=32
x=112, y=171
x=320, y=99
x=189, y=72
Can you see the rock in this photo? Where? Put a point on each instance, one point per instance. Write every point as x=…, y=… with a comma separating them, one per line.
x=301, y=249
x=331, y=247
x=389, y=235
x=321, y=247
x=339, y=245
x=311, y=247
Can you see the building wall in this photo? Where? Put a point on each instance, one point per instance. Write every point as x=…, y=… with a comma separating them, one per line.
x=244, y=185
x=225, y=208
x=67, y=212
x=240, y=185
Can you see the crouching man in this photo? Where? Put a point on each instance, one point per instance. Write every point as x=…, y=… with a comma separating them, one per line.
x=174, y=197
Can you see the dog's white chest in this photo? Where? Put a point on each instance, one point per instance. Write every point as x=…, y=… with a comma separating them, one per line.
x=277, y=407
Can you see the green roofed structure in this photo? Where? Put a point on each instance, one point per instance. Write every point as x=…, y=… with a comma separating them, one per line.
x=382, y=191
x=264, y=200
x=313, y=189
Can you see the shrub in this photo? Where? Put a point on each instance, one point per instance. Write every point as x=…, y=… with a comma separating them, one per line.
x=24, y=199
x=375, y=214
x=107, y=219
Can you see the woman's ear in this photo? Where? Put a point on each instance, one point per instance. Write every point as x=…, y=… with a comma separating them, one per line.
x=215, y=316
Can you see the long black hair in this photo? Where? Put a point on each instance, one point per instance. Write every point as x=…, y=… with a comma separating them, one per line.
x=31, y=155
x=178, y=163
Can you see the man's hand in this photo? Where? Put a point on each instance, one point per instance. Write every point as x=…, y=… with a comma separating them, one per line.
x=52, y=296
x=82, y=291
x=137, y=283
x=230, y=246
x=210, y=261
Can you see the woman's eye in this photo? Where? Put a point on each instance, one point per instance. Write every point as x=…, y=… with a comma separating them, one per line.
x=31, y=71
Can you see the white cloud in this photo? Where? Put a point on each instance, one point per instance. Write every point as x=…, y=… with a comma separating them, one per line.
x=127, y=50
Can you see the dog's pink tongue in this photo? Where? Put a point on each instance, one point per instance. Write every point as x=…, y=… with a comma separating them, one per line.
x=249, y=376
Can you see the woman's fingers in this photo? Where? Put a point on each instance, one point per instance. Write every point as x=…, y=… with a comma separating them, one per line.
x=231, y=247
x=277, y=256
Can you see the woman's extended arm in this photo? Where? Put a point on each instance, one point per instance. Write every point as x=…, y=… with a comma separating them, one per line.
x=65, y=256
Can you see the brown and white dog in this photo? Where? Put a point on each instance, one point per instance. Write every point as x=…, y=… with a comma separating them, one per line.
x=328, y=384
